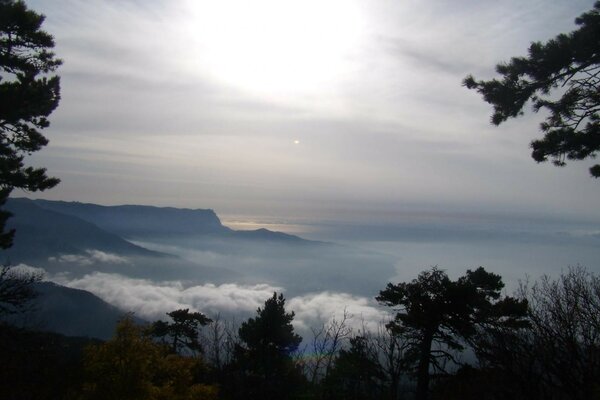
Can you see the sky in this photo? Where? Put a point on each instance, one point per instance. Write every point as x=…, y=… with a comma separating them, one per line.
x=336, y=110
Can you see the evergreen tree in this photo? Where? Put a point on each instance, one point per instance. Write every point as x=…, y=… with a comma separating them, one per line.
x=356, y=374
x=434, y=310
x=562, y=77
x=183, y=333
x=28, y=95
x=263, y=362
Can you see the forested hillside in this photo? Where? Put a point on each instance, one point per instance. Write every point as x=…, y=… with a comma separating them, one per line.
x=444, y=339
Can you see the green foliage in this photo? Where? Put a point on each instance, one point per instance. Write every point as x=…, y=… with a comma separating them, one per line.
x=434, y=310
x=271, y=332
x=27, y=97
x=561, y=76
x=263, y=366
x=183, y=333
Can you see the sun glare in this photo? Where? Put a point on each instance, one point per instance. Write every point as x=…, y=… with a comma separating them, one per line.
x=273, y=47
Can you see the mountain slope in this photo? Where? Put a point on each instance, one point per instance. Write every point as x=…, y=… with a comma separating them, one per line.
x=41, y=233
x=70, y=312
x=144, y=222
x=141, y=221
x=61, y=243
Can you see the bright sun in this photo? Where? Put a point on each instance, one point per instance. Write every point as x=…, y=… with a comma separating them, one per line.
x=273, y=47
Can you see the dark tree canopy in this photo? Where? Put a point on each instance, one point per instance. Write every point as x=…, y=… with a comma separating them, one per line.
x=183, y=333
x=562, y=77
x=271, y=330
x=264, y=363
x=356, y=374
x=434, y=310
x=28, y=95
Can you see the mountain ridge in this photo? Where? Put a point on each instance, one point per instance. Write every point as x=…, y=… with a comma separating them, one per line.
x=135, y=220
x=41, y=232
x=70, y=312
x=143, y=221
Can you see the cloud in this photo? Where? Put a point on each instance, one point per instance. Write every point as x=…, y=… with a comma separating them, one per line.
x=144, y=121
x=151, y=300
x=92, y=257
x=317, y=308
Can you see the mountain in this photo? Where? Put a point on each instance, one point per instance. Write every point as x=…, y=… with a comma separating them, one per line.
x=144, y=222
x=141, y=221
x=62, y=243
x=70, y=312
x=42, y=233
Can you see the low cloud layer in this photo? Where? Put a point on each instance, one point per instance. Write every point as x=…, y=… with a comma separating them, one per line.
x=317, y=308
x=151, y=300
x=91, y=257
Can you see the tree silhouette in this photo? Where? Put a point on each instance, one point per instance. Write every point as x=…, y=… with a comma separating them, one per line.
x=434, y=310
x=356, y=374
x=263, y=362
x=27, y=97
x=183, y=333
x=561, y=76
x=558, y=355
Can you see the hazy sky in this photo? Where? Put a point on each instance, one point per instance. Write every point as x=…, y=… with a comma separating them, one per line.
x=311, y=109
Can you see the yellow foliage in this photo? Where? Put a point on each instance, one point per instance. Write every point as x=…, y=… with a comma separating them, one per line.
x=132, y=366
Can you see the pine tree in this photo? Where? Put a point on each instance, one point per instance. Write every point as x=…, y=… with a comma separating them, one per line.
x=28, y=95
x=562, y=77
x=434, y=310
x=264, y=360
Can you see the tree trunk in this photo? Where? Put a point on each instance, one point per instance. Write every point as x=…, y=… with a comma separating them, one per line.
x=423, y=367
x=394, y=382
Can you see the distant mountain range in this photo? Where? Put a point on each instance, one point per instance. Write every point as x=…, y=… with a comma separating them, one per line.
x=140, y=221
x=135, y=221
x=43, y=233
x=168, y=246
x=80, y=238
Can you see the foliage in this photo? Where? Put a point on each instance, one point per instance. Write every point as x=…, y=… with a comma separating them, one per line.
x=561, y=76
x=263, y=366
x=435, y=313
x=183, y=333
x=544, y=344
x=357, y=373
x=133, y=366
x=27, y=97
